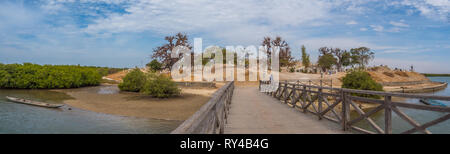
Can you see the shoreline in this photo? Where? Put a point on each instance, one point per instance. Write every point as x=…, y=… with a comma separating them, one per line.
x=108, y=100
x=418, y=88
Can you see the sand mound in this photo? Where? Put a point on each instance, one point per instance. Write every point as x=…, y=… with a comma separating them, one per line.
x=385, y=74
x=118, y=76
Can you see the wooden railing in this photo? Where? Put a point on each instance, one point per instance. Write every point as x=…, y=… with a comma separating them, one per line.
x=335, y=104
x=211, y=117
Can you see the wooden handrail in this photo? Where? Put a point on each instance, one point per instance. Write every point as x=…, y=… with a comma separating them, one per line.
x=211, y=117
x=310, y=98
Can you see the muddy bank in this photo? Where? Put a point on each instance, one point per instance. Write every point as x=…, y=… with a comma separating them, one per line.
x=107, y=99
x=417, y=88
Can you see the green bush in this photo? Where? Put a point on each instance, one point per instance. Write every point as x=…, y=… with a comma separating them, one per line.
x=133, y=81
x=362, y=81
x=33, y=76
x=292, y=70
x=152, y=84
x=161, y=87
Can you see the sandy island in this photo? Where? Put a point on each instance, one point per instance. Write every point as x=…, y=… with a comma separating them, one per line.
x=107, y=99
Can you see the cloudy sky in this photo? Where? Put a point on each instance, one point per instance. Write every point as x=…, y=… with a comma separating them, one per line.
x=122, y=33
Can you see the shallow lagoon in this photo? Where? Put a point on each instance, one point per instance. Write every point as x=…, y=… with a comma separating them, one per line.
x=25, y=119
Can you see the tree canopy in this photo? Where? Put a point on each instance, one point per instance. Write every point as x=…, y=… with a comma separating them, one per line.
x=285, y=51
x=163, y=53
x=342, y=58
x=33, y=76
x=154, y=65
x=362, y=56
x=326, y=61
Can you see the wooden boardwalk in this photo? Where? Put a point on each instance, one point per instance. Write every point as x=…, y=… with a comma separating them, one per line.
x=253, y=112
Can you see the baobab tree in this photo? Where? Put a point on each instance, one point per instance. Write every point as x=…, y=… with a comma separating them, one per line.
x=163, y=53
x=285, y=50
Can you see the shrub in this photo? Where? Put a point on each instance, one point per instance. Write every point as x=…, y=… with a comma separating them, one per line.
x=362, y=81
x=292, y=70
x=133, y=81
x=152, y=84
x=160, y=86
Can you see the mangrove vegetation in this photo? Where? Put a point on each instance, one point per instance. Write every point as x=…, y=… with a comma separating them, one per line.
x=34, y=76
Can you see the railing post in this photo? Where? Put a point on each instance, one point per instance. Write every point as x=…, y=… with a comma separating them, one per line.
x=331, y=85
x=294, y=91
x=320, y=102
x=387, y=114
x=304, y=99
x=345, y=110
x=285, y=91
x=259, y=87
x=310, y=82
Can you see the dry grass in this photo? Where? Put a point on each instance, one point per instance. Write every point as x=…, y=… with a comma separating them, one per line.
x=385, y=74
x=400, y=73
x=118, y=76
x=389, y=74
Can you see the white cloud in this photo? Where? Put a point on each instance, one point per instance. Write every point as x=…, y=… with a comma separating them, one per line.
x=398, y=24
x=178, y=15
x=351, y=22
x=434, y=9
x=377, y=28
x=363, y=29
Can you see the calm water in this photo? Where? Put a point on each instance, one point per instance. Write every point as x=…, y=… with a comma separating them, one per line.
x=399, y=125
x=20, y=118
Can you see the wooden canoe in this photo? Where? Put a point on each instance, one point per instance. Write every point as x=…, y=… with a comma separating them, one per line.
x=29, y=102
x=432, y=102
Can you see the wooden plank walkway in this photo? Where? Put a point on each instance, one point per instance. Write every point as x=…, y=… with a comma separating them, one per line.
x=253, y=112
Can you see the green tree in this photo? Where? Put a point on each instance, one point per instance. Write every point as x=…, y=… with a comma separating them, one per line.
x=133, y=81
x=305, y=57
x=361, y=56
x=326, y=62
x=154, y=65
x=343, y=58
x=361, y=80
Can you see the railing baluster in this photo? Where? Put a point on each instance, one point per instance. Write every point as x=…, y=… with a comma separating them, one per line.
x=345, y=110
x=319, y=110
x=387, y=114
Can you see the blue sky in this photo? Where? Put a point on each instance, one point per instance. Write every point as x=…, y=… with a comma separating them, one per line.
x=122, y=33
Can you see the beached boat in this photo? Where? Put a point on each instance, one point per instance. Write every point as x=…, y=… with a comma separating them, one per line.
x=431, y=102
x=29, y=102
